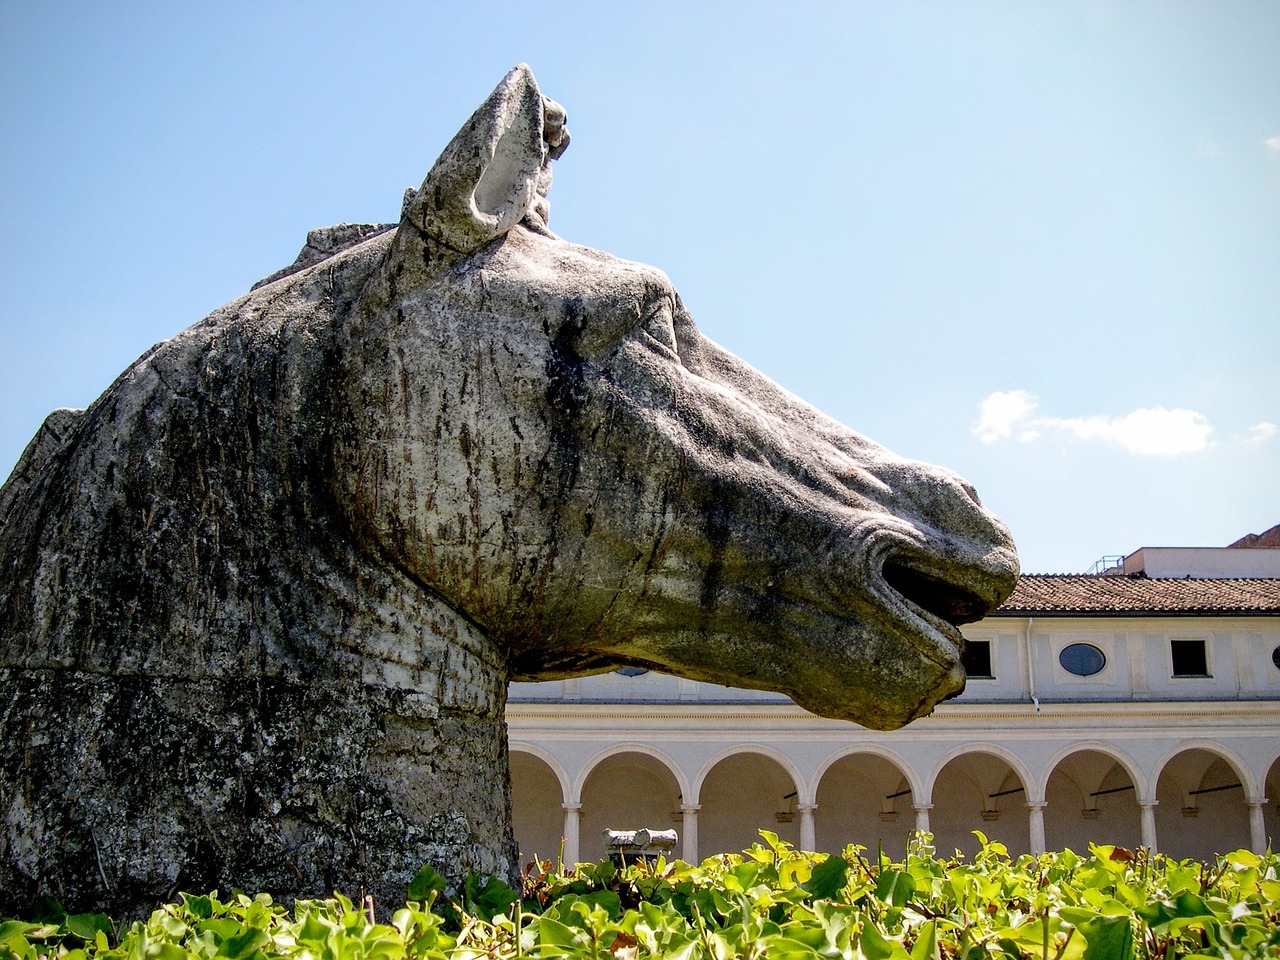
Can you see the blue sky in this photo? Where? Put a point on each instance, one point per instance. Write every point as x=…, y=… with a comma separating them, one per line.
x=1039, y=244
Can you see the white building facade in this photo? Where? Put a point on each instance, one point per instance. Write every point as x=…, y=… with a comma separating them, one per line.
x=1132, y=709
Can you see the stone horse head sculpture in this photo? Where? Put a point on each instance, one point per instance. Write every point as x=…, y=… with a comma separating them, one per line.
x=260, y=602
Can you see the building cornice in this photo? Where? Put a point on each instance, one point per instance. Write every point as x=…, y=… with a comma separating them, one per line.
x=968, y=715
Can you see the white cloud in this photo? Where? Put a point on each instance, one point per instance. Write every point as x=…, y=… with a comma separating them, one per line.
x=1001, y=412
x=1273, y=143
x=1261, y=432
x=1148, y=431
x=1151, y=431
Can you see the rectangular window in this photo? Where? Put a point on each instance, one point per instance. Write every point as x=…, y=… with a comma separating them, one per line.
x=976, y=659
x=1189, y=658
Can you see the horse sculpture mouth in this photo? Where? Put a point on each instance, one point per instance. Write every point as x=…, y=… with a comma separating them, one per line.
x=936, y=605
x=944, y=600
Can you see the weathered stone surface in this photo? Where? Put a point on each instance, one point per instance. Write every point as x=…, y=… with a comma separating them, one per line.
x=260, y=602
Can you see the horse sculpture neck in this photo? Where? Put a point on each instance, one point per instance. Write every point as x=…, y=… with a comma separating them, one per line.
x=324, y=704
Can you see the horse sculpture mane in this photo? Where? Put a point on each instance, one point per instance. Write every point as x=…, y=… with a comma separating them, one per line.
x=260, y=602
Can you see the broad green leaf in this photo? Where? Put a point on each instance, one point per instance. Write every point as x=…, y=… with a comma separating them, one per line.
x=785, y=948
x=312, y=928
x=199, y=907
x=807, y=933
x=243, y=945
x=554, y=932
x=18, y=946
x=828, y=878
x=10, y=929
x=173, y=928
x=875, y=946
x=1078, y=915
x=1243, y=859
x=1182, y=877
x=1190, y=906
x=426, y=884
x=1107, y=938
x=926, y=945
x=895, y=887
x=86, y=925
x=744, y=875
x=794, y=872
x=493, y=898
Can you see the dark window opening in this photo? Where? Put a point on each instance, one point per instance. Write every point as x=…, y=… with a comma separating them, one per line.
x=631, y=671
x=976, y=659
x=1189, y=658
x=1275, y=657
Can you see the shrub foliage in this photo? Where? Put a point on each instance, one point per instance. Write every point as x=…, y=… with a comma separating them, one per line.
x=770, y=901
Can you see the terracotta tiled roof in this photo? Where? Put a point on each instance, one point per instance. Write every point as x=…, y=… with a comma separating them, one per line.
x=1118, y=596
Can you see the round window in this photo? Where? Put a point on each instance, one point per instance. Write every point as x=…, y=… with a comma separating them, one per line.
x=631, y=671
x=1275, y=657
x=1082, y=659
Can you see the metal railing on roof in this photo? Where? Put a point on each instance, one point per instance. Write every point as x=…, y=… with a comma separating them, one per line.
x=1111, y=563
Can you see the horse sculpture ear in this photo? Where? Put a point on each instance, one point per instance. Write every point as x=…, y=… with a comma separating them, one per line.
x=487, y=178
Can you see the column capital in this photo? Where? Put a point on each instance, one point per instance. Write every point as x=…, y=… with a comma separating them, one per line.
x=690, y=807
x=922, y=806
x=1037, y=804
x=806, y=807
x=1148, y=804
x=571, y=807
x=1256, y=801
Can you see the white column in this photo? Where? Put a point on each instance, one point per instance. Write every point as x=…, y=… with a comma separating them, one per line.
x=1148, y=809
x=922, y=816
x=689, y=828
x=1257, y=826
x=572, y=823
x=808, y=835
x=1035, y=825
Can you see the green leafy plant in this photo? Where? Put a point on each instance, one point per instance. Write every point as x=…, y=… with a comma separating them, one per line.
x=770, y=901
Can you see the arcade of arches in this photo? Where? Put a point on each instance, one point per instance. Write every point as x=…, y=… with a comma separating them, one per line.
x=1198, y=802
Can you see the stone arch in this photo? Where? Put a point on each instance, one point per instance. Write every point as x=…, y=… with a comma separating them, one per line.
x=1201, y=788
x=1229, y=756
x=865, y=795
x=1092, y=791
x=552, y=762
x=980, y=786
x=803, y=795
x=895, y=758
x=538, y=791
x=994, y=749
x=743, y=790
x=626, y=787
x=633, y=747
x=1126, y=762
x=1271, y=809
